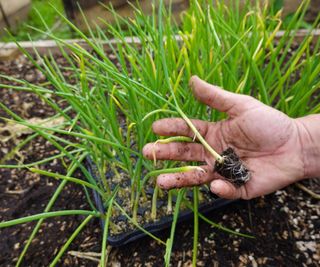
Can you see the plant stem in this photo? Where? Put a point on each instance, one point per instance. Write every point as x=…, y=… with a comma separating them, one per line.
x=200, y=138
x=70, y=179
x=48, y=215
x=169, y=206
x=195, y=225
x=169, y=243
x=219, y=226
x=167, y=141
x=154, y=203
x=137, y=225
x=308, y=191
x=72, y=169
x=72, y=237
x=103, y=261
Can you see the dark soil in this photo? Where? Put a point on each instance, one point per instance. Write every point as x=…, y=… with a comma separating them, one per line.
x=285, y=224
x=232, y=168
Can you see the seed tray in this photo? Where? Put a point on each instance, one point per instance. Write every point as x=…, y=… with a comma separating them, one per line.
x=156, y=226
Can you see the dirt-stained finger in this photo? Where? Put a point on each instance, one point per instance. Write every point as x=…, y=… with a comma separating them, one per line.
x=186, y=179
x=178, y=127
x=220, y=99
x=226, y=190
x=174, y=151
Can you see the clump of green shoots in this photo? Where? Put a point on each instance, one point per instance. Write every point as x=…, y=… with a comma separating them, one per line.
x=111, y=105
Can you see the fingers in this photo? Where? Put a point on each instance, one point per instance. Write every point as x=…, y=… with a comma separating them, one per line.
x=177, y=126
x=175, y=151
x=226, y=190
x=222, y=100
x=185, y=179
x=218, y=186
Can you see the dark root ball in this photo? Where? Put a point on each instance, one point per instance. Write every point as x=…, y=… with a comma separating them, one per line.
x=232, y=168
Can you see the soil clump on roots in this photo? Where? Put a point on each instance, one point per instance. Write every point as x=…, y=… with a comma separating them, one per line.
x=232, y=168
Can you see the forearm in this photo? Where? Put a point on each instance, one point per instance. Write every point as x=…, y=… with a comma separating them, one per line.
x=309, y=129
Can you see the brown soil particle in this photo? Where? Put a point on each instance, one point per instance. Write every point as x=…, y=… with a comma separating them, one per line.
x=285, y=224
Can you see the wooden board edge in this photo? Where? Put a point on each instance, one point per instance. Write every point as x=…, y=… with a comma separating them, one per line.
x=46, y=47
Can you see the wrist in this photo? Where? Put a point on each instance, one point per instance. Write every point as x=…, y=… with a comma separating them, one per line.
x=309, y=135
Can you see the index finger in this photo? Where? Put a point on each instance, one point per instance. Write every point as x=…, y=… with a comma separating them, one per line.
x=213, y=96
x=178, y=127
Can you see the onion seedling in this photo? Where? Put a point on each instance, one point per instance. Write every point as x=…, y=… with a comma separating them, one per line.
x=109, y=99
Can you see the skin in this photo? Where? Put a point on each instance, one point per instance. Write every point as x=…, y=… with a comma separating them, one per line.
x=277, y=149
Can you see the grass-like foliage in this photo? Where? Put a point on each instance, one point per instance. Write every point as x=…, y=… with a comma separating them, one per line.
x=113, y=97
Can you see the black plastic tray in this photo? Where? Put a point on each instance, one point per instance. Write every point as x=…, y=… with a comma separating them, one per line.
x=163, y=223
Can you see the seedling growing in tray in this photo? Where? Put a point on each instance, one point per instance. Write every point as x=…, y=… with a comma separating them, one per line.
x=108, y=101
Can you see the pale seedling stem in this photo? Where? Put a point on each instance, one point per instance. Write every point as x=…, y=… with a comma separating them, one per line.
x=169, y=206
x=154, y=203
x=167, y=141
x=217, y=157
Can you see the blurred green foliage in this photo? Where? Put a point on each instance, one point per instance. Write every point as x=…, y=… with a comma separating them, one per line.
x=54, y=23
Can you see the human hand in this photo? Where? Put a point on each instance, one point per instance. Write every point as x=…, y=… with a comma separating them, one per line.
x=266, y=140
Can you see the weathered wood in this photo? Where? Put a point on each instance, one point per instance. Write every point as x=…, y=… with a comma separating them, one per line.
x=289, y=6
x=94, y=10
x=9, y=54
x=12, y=12
x=50, y=47
x=12, y=6
x=84, y=4
x=95, y=13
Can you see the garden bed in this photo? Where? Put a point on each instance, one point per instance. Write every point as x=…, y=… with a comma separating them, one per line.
x=285, y=224
x=104, y=105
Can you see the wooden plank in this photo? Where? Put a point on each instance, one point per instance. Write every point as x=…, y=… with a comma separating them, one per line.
x=49, y=46
x=13, y=12
x=289, y=6
x=84, y=4
x=95, y=13
x=9, y=54
x=10, y=7
x=46, y=47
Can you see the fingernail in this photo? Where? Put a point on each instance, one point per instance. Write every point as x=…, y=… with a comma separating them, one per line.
x=215, y=189
x=146, y=150
x=155, y=125
x=191, y=82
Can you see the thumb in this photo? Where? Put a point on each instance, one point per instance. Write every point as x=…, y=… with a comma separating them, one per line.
x=222, y=100
x=226, y=190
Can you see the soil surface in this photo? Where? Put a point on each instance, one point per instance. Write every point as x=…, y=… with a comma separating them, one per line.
x=286, y=224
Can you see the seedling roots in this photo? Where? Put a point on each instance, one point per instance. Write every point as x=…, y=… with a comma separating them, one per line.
x=232, y=168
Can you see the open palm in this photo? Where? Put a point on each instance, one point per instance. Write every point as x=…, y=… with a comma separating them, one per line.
x=265, y=139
